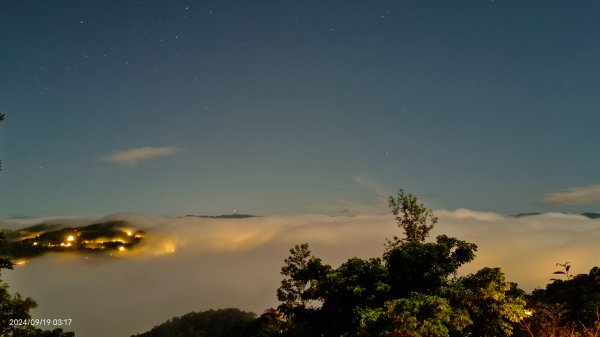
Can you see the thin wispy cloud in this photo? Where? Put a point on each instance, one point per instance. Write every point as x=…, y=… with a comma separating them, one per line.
x=372, y=185
x=575, y=196
x=133, y=156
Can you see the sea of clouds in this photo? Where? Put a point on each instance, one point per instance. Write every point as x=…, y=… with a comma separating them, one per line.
x=191, y=264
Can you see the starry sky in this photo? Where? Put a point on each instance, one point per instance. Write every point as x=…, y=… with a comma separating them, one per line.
x=277, y=107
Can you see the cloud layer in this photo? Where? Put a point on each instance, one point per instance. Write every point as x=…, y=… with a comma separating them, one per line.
x=191, y=264
x=575, y=196
x=135, y=155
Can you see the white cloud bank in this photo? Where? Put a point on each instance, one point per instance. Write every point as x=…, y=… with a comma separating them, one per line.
x=575, y=196
x=133, y=156
x=191, y=264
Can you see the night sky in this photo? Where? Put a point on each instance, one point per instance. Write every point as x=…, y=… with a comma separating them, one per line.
x=277, y=107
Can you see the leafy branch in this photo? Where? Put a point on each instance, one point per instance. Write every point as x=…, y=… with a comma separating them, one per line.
x=566, y=266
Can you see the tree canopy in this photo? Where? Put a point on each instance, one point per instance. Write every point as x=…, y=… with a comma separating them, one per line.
x=412, y=290
x=569, y=307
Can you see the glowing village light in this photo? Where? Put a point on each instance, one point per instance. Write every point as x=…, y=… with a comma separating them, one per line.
x=70, y=238
x=129, y=233
x=121, y=248
x=170, y=248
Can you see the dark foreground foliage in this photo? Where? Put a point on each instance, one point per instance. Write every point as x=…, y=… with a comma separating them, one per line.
x=566, y=308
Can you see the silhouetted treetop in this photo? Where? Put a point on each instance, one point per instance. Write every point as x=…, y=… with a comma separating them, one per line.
x=412, y=216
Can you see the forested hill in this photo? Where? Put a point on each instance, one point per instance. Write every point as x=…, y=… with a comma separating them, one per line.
x=99, y=237
x=211, y=323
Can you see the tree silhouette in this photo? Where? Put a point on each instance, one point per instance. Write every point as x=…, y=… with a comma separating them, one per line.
x=413, y=217
x=408, y=292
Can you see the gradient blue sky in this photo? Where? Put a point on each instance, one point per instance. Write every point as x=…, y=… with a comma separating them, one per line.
x=298, y=106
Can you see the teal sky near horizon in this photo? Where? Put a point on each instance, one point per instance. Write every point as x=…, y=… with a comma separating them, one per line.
x=271, y=107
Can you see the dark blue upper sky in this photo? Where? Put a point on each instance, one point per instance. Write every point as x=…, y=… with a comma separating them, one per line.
x=291, y=106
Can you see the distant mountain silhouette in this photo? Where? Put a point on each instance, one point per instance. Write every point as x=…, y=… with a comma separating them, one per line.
x=520, y=215
x=223, y=216
x=586, y=214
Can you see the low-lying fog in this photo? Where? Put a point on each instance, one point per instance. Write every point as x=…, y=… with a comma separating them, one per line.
x=192, y=264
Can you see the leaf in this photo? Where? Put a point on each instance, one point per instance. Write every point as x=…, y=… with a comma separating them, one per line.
x=559, y=272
